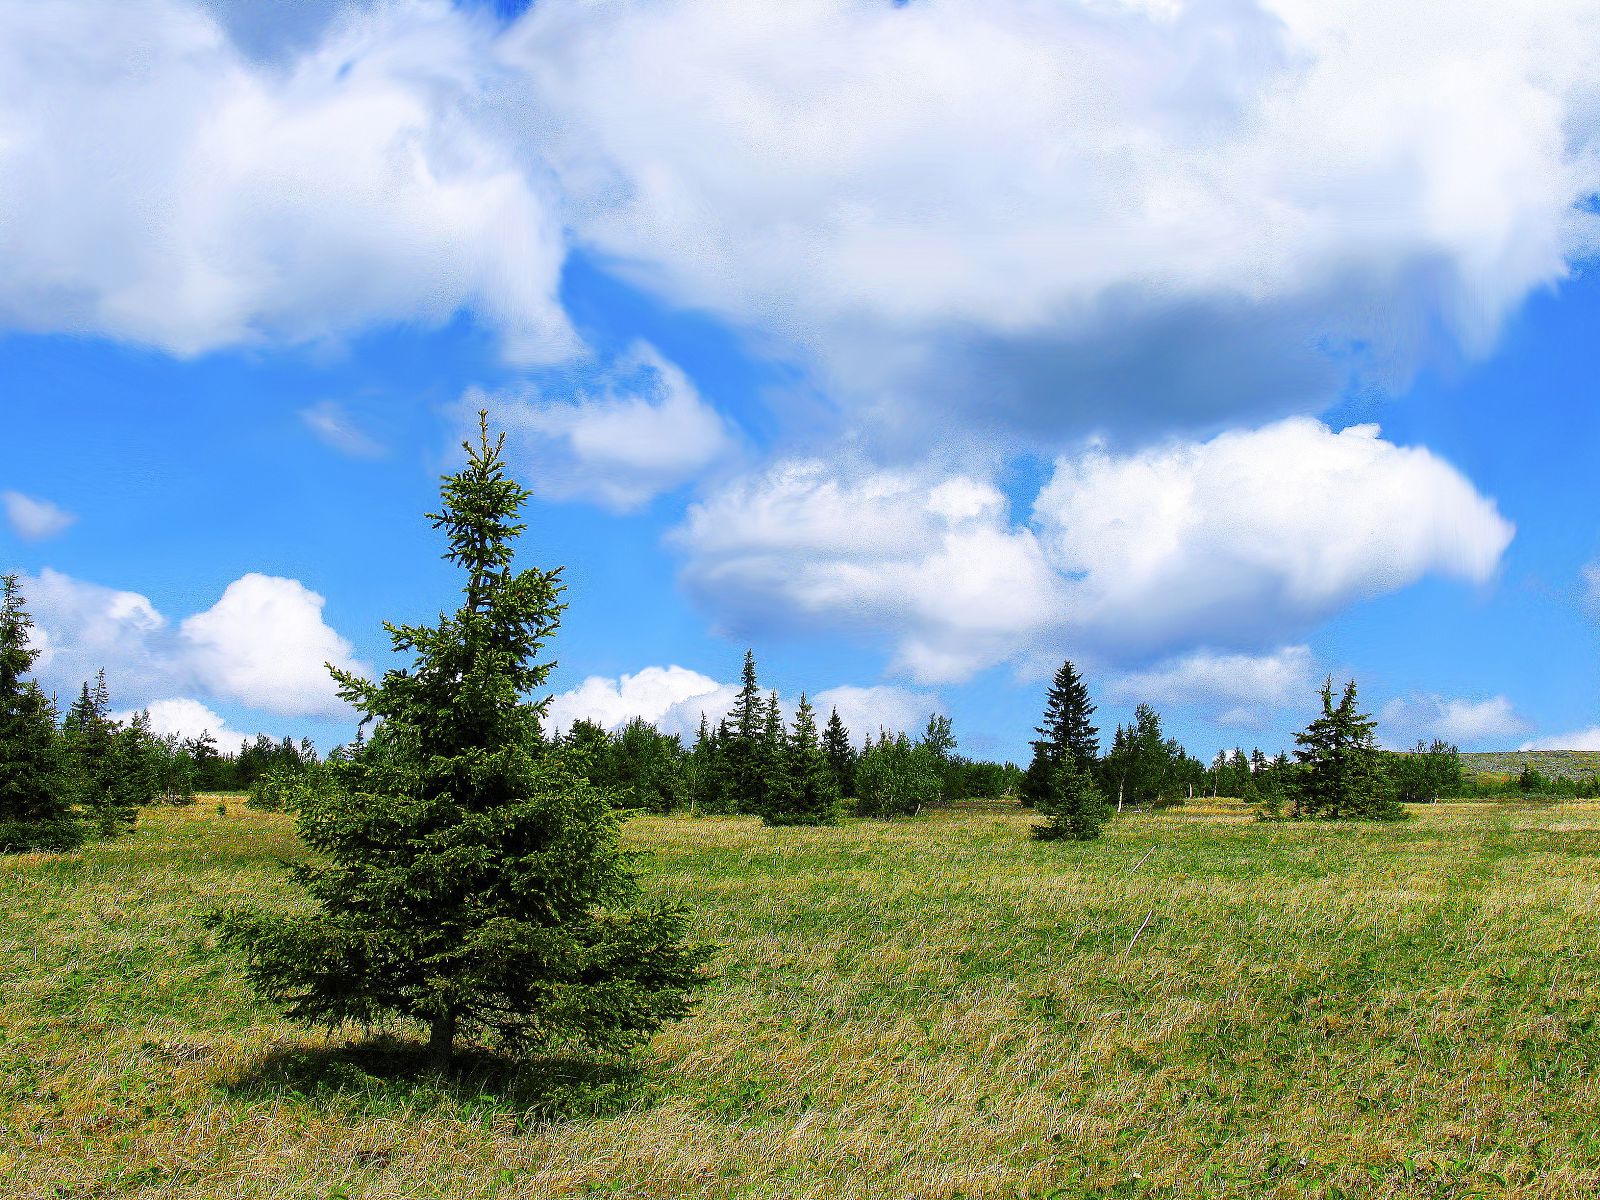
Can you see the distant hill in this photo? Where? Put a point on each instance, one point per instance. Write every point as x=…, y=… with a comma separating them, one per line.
x=1553, y=764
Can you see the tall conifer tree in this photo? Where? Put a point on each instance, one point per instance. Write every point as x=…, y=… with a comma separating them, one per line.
x=469, y=877
x=742, y=747
x=841, y=754
x=1065, y=732
x=35, y=804
x=810, y=794
x=98, y=765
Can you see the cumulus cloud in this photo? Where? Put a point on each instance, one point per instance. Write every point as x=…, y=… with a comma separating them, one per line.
x=1093, y=211
x=1048, y=214
x=334, y=426
x=1578, y=739
x=639, y=430
x=1407, y=719
x=670, y=698
x=165, y=189
x=1236, y=543
x=1231, y=689
x=186, y=718
x=33, y=519
x=263, y=644
x=673, y=699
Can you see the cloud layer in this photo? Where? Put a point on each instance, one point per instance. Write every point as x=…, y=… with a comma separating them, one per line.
x=1492, y=722
x=1080, y=210
x=1239, y=542
x=1047, y=216
x=638, y=430
x=164, y=189
x=263, y=645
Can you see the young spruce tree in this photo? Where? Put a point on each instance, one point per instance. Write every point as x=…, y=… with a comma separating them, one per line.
x=809, y=794
x=743, y=747
x=1072, y=804
x=36, y=810
x=98, y=762
x=1340, y=776
x=468, y=877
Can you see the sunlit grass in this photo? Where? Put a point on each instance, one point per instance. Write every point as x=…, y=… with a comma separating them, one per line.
x=1195, y=1005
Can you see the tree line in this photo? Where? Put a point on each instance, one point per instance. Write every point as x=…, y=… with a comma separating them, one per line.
x=68, y=776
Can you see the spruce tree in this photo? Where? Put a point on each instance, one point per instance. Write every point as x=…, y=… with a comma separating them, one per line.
x=1340, y=775
x=709, y=785
x=841, y=754
x=772, y=761
x=468, y=878
x=1066, y=725
x=35, y=805
x=743, y=750
x=809, y=795
x=1073, y=804
x=97, y=763
x=1065, y=732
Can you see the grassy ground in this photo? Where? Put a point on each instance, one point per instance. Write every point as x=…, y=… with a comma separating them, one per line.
x=1195, y=1005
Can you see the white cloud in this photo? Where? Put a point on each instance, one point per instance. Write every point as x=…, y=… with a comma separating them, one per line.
x=80, y=627
x=263, y=644
x=1232, y=689
x=1406, y=719
x=1255, y=534
x=167, y=190
x=1080, y=209
x=673, y=699
x=1053, y=214
x=333, y=425
x=868, y=710
x=640, y=430
x=33, y=519
x=1579, y=739
x=189, y=718
x=1590, y=575
x=1236, y=543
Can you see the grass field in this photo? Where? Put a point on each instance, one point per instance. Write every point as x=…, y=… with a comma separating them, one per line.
x=1195, y=1005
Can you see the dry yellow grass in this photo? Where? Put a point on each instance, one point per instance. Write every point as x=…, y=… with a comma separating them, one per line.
x=1195, y=1005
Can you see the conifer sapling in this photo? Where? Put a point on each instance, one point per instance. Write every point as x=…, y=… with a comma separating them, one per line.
x=468, y=876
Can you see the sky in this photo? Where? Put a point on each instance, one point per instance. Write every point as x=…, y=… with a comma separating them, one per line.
x=1218, y=346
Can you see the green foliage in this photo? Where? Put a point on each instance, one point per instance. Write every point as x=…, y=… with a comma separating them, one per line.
x=1425, y=774
x=809, y=795
x=469, y=876
x=1072, y=803
x=1341, y=774
x=103, y=767
x=840, y=753
x=1065, y=732
x=896, y=777
x=1145, y=767
x=35, y=811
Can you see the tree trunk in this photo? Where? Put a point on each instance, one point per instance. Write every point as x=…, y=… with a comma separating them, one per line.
x=1119, y=795
x=442, y=1041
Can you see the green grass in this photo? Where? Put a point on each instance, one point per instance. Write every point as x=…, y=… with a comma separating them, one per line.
x=938, y=1007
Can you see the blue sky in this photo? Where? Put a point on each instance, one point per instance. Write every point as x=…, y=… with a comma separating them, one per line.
x=1216, y=347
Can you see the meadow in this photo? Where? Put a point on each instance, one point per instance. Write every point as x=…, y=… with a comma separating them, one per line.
x=1196, y=1004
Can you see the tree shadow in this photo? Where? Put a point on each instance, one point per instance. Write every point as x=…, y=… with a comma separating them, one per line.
x=386, y=1073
